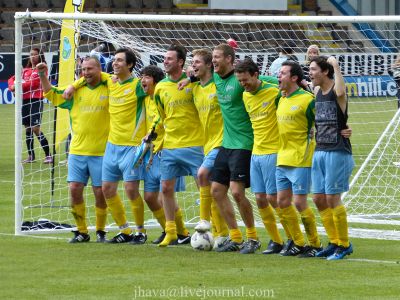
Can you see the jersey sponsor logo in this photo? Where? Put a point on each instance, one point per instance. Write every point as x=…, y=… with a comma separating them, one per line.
x=188, y=90
x=265, y=104
x=211, y=96
x=295, y=107
x=126, y=92
x=103, y=97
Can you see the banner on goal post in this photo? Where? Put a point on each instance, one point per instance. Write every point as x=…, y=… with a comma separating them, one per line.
x=68, y=44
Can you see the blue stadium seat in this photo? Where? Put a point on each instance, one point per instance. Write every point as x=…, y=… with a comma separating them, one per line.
x=41, y=3
x=25, y=3
x=103, y=3
x=57, y=3
x=150, y=4
x=7, y=17
x=119, y=3
x=135, y=3
x=165, y=4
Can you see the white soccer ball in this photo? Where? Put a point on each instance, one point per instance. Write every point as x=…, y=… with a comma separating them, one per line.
x=202, y=241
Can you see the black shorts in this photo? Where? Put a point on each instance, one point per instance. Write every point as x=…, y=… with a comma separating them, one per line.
x=232, y=165
x=32, y=112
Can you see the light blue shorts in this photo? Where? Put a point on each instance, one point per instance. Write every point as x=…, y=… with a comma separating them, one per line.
x=209, y=159
x=262, y=174
x=152, y=177
x=331, y=171
x=118, y=164
x=81, y=167
x=181, y=162
x=294, y=178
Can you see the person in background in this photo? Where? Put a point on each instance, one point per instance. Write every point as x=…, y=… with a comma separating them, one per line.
x=32, y=105
x=285, y=53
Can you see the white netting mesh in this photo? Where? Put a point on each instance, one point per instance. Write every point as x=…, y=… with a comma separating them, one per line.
x=372, y=102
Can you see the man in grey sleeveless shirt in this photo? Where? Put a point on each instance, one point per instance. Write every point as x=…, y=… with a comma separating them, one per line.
x=332, y=161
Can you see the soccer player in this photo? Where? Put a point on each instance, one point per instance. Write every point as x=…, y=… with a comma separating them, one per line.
x=182, y=152
x=295, y=115
x=32, y=106
x=150, y=76
x=88, y=109
x=332, y=161
x=261, y=100
x=205, y=99
x=127, y=128
x=232, y=164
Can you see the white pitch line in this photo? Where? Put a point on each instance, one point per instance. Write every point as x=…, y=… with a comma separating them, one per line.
x=34, y=236
x=376, y=261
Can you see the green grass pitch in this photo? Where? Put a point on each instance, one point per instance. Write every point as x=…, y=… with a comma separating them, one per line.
x=46, y=267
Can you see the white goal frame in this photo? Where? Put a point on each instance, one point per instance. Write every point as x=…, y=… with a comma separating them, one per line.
x=20, y=17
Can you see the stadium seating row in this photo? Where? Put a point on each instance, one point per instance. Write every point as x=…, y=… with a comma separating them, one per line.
x=59, y=4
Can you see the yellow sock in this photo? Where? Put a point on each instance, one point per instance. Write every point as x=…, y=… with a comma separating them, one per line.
x=340, y=220
x=101, y=218
x=268, y=218
x=221, y=229
x=283, y=222
x=329, y=225
x=310, y=225
x=180, y=224
x=205, y=202
x=118, y=213
x=137, y=206
x=236, y=235
x=170, y=230
x=290, y=216
x=251, y=233
x=160, y=216
x=79, y=213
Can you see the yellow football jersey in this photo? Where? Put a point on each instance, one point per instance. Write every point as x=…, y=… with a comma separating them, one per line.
x=179, y=114
x=296, y=115
x=89, y=117
x=206, y=101
x=127, y=110
x=261, y=107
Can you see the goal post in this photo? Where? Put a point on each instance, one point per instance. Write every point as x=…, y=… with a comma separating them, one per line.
x=374, y=196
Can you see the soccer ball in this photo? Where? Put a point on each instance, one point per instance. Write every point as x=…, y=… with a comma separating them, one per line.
x=202, y=241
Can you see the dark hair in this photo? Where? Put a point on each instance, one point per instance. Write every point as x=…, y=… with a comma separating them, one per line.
x=322, y=62
x=226, y=50
x=41, y=57
x=153, y=71
x=247, y=65
x=180, y=52
x=130, y=57
x=295, y=70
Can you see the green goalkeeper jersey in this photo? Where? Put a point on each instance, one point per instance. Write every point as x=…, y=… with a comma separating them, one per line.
x=238, y=133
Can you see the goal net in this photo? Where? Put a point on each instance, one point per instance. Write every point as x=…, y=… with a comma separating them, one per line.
x=365, y=48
